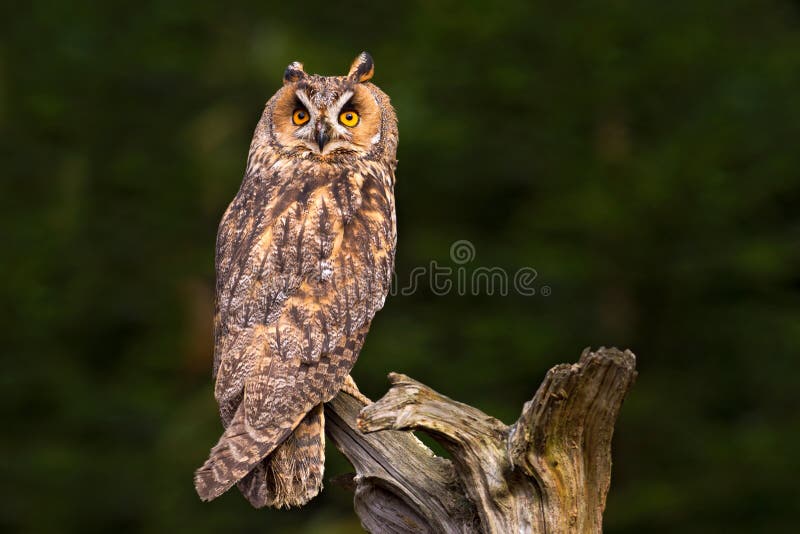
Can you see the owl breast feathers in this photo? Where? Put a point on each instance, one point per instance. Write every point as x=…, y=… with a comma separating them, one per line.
x=304, y=260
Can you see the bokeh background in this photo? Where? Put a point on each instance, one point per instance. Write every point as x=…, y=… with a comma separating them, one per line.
x=642, y=156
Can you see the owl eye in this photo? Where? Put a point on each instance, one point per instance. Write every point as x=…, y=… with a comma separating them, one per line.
x=300, y=117
x=348, y=118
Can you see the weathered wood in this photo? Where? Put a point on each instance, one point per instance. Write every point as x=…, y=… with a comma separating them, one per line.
x=548, y=472
x=400, y=485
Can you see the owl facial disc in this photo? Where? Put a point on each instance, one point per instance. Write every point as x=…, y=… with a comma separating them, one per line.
x=330, y=117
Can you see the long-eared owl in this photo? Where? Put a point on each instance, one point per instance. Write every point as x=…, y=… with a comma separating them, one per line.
x=304, y=259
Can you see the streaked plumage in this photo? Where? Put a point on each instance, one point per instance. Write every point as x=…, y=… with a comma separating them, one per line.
x=304, y=260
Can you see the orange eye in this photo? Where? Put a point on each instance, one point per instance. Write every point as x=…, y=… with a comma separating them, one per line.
x=348, y=118
x=300, y=117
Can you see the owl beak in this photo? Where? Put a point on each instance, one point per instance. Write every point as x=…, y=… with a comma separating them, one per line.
x=323, y=136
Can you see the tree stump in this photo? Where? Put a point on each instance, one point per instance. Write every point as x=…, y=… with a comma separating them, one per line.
x=547, y=473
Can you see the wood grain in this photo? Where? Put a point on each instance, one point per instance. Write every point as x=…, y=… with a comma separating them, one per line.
x=549, y=472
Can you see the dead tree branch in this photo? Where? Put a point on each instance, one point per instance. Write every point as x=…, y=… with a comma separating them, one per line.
x=547, y=473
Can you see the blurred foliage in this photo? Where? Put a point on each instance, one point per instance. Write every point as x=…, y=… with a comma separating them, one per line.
x=641, y=156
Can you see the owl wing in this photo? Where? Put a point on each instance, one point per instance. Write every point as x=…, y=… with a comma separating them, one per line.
x=303, y=263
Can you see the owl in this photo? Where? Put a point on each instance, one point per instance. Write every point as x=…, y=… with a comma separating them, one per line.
x=304, y=260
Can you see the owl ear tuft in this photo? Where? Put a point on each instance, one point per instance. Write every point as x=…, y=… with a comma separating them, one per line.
x=362, y=68
x=294, y=72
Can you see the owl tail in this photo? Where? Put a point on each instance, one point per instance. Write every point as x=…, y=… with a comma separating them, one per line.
x=237, y=452
x=285, y=474
x=292, y=474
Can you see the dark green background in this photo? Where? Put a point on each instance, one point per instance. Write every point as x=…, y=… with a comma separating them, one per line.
x=642, y=156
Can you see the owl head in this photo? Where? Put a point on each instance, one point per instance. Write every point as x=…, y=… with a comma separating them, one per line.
x=331, y=117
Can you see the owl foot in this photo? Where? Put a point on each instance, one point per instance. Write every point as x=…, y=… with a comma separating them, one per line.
x=351, y=389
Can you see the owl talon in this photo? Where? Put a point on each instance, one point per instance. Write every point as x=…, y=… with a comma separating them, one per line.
x=351, y=389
